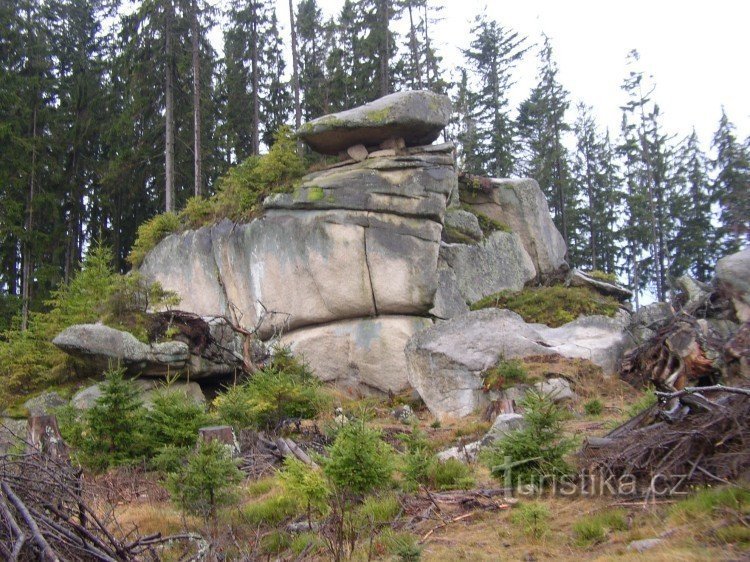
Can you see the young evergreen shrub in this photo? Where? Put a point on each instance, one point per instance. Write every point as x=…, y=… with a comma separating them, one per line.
x=359, y=461
x=417, y=459
x=115, y=425
x=593, y=407
x=150, y=233
x=307, y=484
x=174, y=419
x=536, y=453
x=207, y=481
x=532, y=517
x=285, y=389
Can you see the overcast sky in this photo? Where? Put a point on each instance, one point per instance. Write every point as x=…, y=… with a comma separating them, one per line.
x=697, y=52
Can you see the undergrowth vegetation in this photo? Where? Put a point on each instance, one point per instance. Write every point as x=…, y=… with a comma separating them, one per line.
x=504, y=374
x=553, y=306
x=29, y=361
x=239, y=196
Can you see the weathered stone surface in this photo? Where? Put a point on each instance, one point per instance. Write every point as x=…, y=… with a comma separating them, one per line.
x=44, y=404
x=87, y=397
x=358, y=152
x=364, y=355
x=521, y=205
x=449, y=302
x=733, y=278
x=464, y=453
x=101, y=346
x=446, y=361
x=577, y=278
x=643, y=545
x=412, y=186
x=557, y=389
x=416, y=116
x=502, y=426
x=464, y=222
x=497, y=263
x=292, y=268
x=12, y=433
x=649, y=318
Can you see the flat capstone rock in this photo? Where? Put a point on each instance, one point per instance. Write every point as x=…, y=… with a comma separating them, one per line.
x=416, y=116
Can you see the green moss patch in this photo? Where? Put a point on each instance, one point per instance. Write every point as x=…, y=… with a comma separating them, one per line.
x=487, y=224
x=504, y=374
x=553, y=306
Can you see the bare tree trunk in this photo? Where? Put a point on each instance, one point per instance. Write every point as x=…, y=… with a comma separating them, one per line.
x=385, y=50
x=417, y=78
x=169, y=95
x=198, y=179
x=27, y=266
x=560, y=187
x=295, y=69
x=256, y=98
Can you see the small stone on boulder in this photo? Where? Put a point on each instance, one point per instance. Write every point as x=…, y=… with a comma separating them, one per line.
x=464, y=453
x=44, y=404
x=557, y=389
x=502, y=426
x=358, y=152
x=416, y=116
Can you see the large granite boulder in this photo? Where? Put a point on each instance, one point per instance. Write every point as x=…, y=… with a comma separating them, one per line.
x=520, y=204
x=352, y=242
x=497, y=263
x=85, y=398
x=416, y=116
x=363, y=355
x=733, y=279
x=446, y=361
x=102, y=346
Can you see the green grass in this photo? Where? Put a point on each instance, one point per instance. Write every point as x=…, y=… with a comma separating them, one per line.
x=593, y=529
x=504, y=374
x=450, y=474
x=553, y=306
x=733, y=534
x=593, y=407
x=271, y=511
x=378, y=510
x=709, y=500
x=532, y=518
x=602, y=276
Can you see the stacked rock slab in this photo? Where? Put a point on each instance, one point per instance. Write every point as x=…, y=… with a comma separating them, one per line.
x=344, y=269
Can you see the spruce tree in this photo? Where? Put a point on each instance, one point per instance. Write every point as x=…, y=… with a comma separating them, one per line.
x=491, y=56
x=731, y=167
x=542, y=128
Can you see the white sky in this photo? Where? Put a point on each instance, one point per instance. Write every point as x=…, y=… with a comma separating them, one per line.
x=697, y=52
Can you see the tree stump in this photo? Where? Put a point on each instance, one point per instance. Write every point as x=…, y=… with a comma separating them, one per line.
x=221, y=433
x=44, y=436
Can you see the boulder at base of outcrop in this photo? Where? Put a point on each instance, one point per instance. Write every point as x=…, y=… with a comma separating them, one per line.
x=364, y=355
x=521, y=205
x=733, y=279
x=44, y=404
x=84, y=399
x=416, y=116
x=446, y=361
x=497, y=263
x=102, y=346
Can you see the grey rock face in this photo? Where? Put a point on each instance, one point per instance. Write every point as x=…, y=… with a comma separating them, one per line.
x=44, y=404
x=449, y=302
x=464, y=453
x=464, y=222
x=733, y=278
x=87, y=397
x=446, y=361
x=497, y=263
x=557, y=389
x=101, y=346
x=520, y=204
x=643, y=545
x=416, y=116
x=502, y=426
x=365, y=355
x=411, y=186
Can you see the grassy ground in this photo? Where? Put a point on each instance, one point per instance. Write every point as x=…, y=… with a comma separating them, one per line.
x=707, y=525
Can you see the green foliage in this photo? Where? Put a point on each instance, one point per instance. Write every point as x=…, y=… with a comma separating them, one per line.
x=505, y=373
x=534, y=454
x=207, y=482
x=174, y=419
x=150, y=233
x=285, y=389
x=272, y=511
x=376, y=511
x=10, y=306
x=593, y=407
x=643, y=403
x=304, y=541
x=532, y=518
x=417, y=459
x=169, y=458
x=275, y=542
x=733, y=534
x=402, y=545
x=307, y=484
x=115, y=428
x=709, y=500
x=553, y=306
x=593, y=529
x=450, y=474
x=257, y=488
x=359, y=460
x=602, y=276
